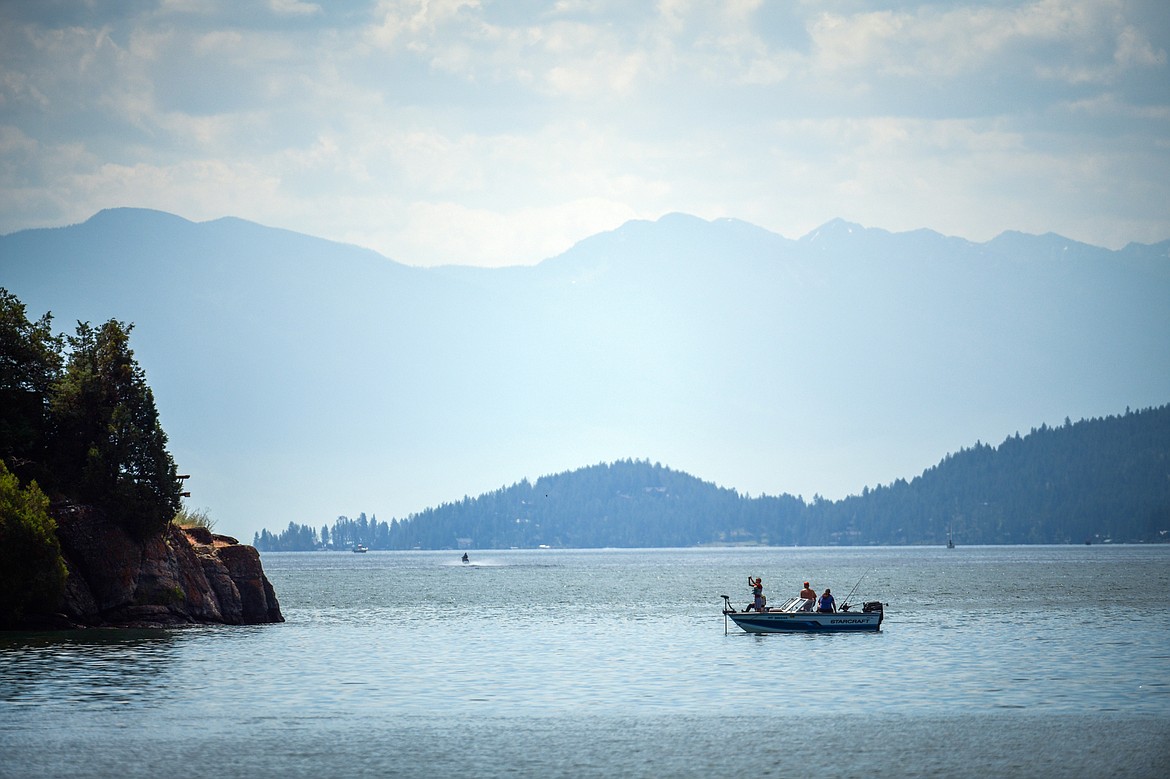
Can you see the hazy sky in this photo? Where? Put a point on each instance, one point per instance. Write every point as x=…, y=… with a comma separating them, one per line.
x=494, y=133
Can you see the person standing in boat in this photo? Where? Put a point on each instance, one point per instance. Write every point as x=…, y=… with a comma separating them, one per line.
x=758, y=599
x=828, y=605
x=810, y=595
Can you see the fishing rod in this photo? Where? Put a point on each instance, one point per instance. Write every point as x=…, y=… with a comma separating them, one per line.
x=845, y=603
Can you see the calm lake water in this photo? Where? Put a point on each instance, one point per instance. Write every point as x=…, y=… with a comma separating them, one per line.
x=992, y=661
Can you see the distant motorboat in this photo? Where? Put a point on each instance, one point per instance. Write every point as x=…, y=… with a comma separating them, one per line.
x=360, y=548
x=797, y=616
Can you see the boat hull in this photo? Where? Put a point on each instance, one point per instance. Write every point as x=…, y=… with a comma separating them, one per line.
x=804, y=622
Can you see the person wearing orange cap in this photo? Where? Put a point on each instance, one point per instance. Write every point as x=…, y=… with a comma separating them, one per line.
x=810, y=596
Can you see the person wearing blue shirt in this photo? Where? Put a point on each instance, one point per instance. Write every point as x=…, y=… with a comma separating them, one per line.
x=828, y=605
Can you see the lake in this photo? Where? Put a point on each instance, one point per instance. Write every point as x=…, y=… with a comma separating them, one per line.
x=992, y=661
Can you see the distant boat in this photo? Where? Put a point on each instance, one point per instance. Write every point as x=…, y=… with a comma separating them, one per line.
x=466, y=559
x=359, y=548
x=950, y=543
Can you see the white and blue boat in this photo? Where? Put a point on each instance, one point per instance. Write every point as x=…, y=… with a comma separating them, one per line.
x=798, y=616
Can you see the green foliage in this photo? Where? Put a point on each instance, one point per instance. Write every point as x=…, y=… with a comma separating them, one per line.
x=194, y=518
x=32, y=572
x=30, y=361
x=84, y=427
x=109, y=448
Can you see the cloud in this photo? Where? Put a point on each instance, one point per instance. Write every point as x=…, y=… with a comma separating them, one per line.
x=414, y=24
x=1135, y=50
x=457, y=116
x=1069, y=40
x=294, y=8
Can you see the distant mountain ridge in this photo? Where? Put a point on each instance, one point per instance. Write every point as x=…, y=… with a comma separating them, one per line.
x=296, y=376
x=1101, y=480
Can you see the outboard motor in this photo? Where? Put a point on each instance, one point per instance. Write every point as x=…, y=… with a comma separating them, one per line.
x=875, y=605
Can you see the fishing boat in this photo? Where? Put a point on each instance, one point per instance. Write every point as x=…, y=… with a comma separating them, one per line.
x=798, y=616
x=360, y=548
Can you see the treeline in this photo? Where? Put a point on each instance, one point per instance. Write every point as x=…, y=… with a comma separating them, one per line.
x=345, y=533
x=628, y=503
x=78, y=423
x=625, y=504
x=1097, y=480
x=1093, y=481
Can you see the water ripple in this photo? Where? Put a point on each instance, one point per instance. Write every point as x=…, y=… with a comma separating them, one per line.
x=409, y=647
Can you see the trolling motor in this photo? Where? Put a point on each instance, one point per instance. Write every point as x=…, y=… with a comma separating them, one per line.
x=726, y=610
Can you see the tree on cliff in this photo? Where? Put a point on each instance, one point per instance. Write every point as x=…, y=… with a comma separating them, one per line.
x=89, y=433
x=108, y=447
x=32, y=572
x=30, y=364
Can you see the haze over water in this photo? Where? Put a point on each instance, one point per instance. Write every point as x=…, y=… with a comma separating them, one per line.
x=992, y=661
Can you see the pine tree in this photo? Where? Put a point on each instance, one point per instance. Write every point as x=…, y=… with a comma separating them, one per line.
x=109, y=447
x=30, y=362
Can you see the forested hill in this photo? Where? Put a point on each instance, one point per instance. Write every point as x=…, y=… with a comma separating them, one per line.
x=1095, y=480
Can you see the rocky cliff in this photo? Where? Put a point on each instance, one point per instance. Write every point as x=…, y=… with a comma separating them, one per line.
x=184, y=576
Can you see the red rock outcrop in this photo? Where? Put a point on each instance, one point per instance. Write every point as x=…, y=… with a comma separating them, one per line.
x=180, y=577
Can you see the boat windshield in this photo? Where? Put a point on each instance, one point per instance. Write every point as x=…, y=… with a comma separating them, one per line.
x=795, y=604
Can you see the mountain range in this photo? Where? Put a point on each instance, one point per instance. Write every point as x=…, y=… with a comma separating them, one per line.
x=299, y=379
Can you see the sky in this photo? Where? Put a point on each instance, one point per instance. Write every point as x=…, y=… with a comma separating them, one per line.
x=489, y=133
